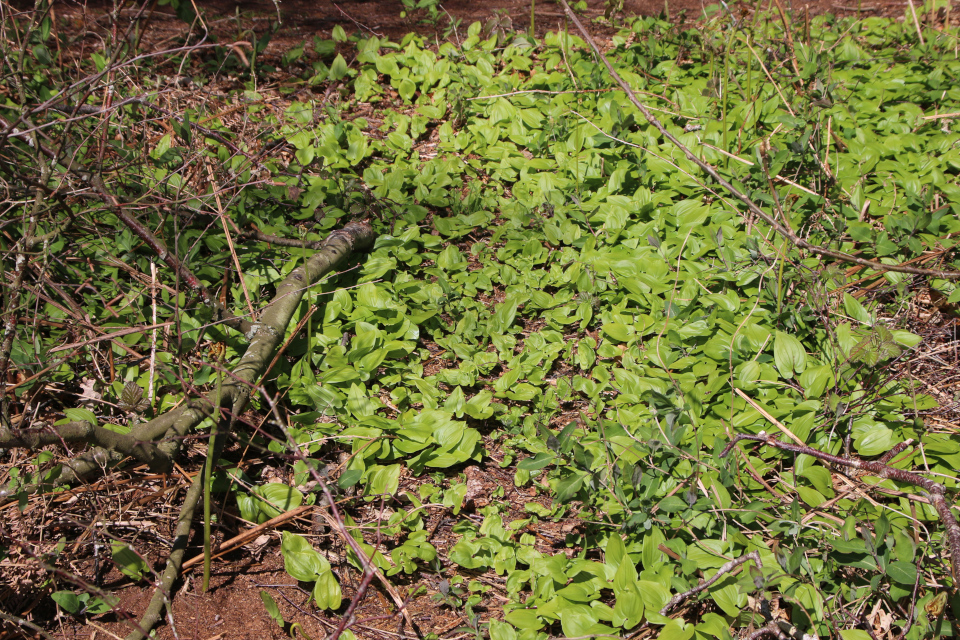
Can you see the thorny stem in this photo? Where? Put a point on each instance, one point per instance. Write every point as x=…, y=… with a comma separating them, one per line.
x=936, y=491
x=348, y=618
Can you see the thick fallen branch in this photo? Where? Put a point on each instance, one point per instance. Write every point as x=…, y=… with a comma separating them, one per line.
x=79, y=431
x=158, y=441
x=936, y=491
x=235, y=390
x=164, y=590
x=739, y=195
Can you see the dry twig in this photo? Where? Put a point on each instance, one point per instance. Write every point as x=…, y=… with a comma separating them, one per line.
x=936, y=491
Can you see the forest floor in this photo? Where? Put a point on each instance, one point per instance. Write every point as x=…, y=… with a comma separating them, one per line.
x=232, y=608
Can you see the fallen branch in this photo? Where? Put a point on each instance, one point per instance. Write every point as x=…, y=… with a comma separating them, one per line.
x=236, y=390
x=706, y=584
x=80, y=431
x=739, y=195
x=937, y=492
x=158, y=441
x=771, y=629
x=172, y=571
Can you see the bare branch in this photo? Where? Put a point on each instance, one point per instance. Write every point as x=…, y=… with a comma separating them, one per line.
x=706, y=584
x=936, y=492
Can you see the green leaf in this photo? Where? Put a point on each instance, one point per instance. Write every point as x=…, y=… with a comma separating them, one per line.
x=815, y=380
x=714, y=625
x=579, y=620
x=501, y=631
x=279, y=499
x=162, y=147
x=524, y=619
x=820, y=478
x=338, y=68
x=568, y=487
x=676, y=630
x=300, y=559
x=628, y=610
x=902, y=572
x=383, y=480
x=349, y=478
x=617, y=331
x=789, y=355
x=673, y=504
x=479, y=406
x=129, y=561
x=615, y=550
x=272, y=609
x=326, y=592
x=727, y=599
x=873, y=439
x=67, y=600
x=81, y=415
x=539, y=461
x=654, y=596
x=856, y=310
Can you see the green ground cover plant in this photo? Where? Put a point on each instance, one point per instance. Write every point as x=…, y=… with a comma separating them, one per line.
x=481, y=252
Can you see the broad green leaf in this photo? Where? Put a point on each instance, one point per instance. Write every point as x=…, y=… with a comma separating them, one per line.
x=676, y=630
x=728, y=599
x=789, y=355
x=128, y=561
x=856, y=310
x=524, y=619
x=902, y=572
x=300, y=559
x=277, y=498
x=67, y=600
x=326, y=592
x=81, y=415
x=501, y=631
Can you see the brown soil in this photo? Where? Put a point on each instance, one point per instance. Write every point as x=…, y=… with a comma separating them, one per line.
x=303, y=19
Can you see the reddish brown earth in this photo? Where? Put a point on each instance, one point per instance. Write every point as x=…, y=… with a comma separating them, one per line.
x=302, y=19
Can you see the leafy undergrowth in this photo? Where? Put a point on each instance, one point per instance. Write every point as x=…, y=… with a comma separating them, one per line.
x=557, y=288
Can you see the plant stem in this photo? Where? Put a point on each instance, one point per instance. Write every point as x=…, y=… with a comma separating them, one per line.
x=208, y=478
